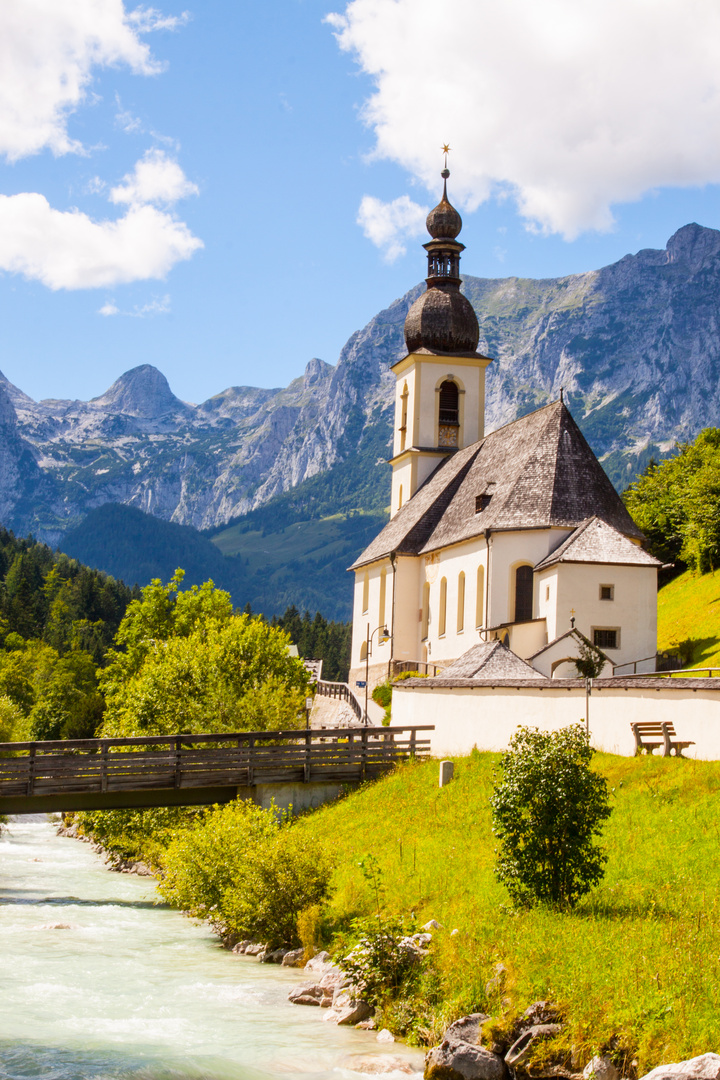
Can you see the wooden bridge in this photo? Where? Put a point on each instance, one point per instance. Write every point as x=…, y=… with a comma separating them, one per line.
x=302, y=768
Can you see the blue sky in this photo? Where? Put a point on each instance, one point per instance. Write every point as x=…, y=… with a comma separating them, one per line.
x=234, y=188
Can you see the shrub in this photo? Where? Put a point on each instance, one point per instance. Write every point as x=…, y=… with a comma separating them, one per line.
x=547, y=808
x=382, y=694
x=269, y=872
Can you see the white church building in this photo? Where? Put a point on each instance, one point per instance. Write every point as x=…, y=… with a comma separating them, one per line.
x=517, y=535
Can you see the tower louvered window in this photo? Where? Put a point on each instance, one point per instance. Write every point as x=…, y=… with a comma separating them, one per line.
x=449, y=411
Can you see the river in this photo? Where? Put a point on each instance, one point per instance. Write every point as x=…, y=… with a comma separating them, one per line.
x=99, y=981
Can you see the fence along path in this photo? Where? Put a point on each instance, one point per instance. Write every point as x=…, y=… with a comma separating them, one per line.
x=172, y=770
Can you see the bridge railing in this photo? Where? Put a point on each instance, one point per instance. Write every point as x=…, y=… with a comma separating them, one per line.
x=345, y=693
x=236, y=759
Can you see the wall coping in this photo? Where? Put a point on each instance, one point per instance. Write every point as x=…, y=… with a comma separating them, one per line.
x=598, y=685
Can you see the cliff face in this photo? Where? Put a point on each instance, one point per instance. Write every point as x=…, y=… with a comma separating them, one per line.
x=635, y=346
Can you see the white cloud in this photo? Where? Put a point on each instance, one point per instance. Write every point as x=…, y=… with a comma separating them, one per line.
x=68, y=250
x=389, y=224
x=568, y=106
x=149, y=19
x=159, y=306
x=48, y=50
x=156, y=178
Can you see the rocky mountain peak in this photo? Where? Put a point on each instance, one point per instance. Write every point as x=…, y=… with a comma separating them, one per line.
x=693, y=244
x=142, y=392
x=315, y=372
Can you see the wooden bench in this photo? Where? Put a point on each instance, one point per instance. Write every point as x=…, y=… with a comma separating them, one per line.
x=651, y=734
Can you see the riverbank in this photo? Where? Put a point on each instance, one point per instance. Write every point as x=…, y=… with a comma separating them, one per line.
x=100, y=980
x=634, y=969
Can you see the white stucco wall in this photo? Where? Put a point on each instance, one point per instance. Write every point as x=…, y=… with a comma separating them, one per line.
x=487, y=717
x=575, y=587
x=508, y=551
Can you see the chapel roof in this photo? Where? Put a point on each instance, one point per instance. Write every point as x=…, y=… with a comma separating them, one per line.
x=489, y=660
x=597, y=542
x=537, y=472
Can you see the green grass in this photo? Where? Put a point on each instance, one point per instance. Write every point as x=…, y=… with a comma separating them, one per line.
x=689, y=609
x=635, y=968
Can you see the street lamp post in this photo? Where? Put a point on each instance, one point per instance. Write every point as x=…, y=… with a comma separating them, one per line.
x=368, y=643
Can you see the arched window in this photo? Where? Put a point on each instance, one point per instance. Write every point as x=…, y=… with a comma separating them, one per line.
x=366, y=592
x=400, y=497
x=461, y=603
x=449, y=408
x=381, y=605
x=443, y=607
x=403, y=416
x=523, y=593
x=363, y=651
x=425, y=611
x=480, y=597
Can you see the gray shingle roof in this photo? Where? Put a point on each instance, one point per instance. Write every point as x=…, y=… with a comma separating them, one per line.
x=489, y=660
x=544, y=475
x=597, y=542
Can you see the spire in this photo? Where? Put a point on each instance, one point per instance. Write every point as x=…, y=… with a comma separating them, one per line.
x=442, y=319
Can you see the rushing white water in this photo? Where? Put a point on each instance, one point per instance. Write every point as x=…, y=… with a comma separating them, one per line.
x=98, y=982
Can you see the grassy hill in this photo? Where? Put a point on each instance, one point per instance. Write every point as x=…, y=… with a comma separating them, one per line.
x=635, y=967
x=689, y=611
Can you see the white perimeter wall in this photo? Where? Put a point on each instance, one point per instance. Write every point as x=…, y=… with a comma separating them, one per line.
x=487, y=717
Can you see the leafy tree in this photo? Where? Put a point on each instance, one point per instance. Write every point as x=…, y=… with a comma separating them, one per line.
x=70, y=705
x=190, y=665
x=548, y=806
x=268, y=873
x=590, y=660
x=677, y=504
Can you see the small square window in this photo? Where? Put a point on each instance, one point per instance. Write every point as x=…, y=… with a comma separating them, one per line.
x=607, y=592
x=606, y=639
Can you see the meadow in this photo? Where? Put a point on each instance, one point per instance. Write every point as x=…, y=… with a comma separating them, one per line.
x=689, y=611
x=635, y=968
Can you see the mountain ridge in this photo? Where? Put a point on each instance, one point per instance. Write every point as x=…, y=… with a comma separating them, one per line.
x=635, y=346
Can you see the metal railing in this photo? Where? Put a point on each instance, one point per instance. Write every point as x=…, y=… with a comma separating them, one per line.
x=400, y=666
x=664, y=662
x=345, y=693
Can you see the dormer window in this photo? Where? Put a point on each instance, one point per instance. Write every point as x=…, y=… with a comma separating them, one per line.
x=482, y=501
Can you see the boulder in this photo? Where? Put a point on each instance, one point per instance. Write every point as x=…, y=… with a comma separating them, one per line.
x=385, y=1036
x=334, y=977
x=319, y=962
x=461, y=1061
x=520, y=1049
x=253, y=949
x=273, y=956
x=241, y=946
x=306, y=995
x=433, y=924
x=294, y=958
x=467, y=1029
x=348, y=1009
x=704, y=1067
x=600, y=1068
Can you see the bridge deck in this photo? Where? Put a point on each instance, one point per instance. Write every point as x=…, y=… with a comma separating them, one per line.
x=175, y=770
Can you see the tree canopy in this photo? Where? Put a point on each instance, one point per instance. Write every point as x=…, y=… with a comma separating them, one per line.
x=676, y=503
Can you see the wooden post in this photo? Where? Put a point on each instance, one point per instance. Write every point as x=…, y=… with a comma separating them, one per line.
x=178, y=751
x=363, y=753
x=251, y=752
x=103, y=767
x=31, y=772
x=307, y=756
x=413, y=735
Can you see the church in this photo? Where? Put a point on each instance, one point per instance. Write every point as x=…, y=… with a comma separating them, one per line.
x=514, y=539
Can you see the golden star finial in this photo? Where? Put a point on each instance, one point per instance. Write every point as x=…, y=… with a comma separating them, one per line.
x=446, y=149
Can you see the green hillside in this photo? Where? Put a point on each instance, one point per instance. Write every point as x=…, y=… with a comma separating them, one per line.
x=689, y=612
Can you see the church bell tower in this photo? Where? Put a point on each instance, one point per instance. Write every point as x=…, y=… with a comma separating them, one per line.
x=440, y=384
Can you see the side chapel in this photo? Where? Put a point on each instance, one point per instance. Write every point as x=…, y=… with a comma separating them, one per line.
x=516, y=536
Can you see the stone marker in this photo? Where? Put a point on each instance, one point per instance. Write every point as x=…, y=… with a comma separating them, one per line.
x=447, y=771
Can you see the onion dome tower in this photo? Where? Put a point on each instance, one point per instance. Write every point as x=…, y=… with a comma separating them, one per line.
x=440, y=384
x=442, y=320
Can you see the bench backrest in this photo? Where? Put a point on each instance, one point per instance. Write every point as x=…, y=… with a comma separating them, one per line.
x=652, y=727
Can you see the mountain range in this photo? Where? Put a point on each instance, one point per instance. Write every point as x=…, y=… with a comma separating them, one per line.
x=635, y=346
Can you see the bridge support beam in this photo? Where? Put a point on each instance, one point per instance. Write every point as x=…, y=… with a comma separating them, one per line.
x=299, y=795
